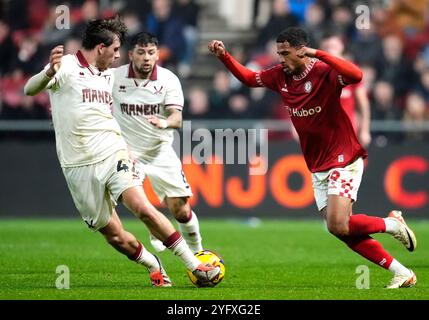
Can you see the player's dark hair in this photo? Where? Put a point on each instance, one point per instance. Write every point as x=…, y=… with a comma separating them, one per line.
x=294, y=35
x=143, y=39
x=103, y=31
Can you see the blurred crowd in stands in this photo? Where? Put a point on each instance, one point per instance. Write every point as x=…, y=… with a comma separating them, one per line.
x=393, y=52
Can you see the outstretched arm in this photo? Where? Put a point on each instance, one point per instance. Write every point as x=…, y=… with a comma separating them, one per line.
x=246, y=76
x=38, y=82
x=350, y=72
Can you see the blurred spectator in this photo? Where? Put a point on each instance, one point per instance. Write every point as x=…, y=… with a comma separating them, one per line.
x=197, y=104
x=7, y=49
x=220, y=94
x=16, y=14
x=299, y=7
x=416, y=111
x=408, y=16
x=265, y=103
x=238, y=107
x=133, y=23
x=280, y=19
x=140, y=7
x=169, y=31
x=342, y=20
x=16, y=105
x=393, y=67
x=187, y=11
x=30, y=56
x=315, y=23
x=88, y=12
x=384, y=107
x=366, y=46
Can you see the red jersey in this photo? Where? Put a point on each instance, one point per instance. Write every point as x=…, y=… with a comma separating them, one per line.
x=312, y=99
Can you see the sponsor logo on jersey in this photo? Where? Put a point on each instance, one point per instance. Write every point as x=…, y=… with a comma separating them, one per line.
x=303, y=112
x=98, y=96
x=140, y=109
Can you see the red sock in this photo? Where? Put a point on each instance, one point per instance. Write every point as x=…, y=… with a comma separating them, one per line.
x=370, y=249
x=361, y=224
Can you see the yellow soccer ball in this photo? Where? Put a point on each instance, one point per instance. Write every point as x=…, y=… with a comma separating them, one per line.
x=210, y=257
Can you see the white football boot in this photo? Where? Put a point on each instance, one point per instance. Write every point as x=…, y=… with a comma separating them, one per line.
x=404, y=234
x=403, y=281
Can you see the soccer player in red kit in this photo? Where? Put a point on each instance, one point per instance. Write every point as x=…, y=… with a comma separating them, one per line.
x=310, y=82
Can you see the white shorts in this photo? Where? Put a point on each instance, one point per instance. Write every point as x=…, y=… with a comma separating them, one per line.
x=343, y=182
x=96, y=188
x=165, y=174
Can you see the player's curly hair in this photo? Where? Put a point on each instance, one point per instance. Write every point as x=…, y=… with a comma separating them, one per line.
x=294, y=35
x=103, y=31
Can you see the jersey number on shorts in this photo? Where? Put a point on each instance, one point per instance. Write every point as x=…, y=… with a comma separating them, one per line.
x=122, y=166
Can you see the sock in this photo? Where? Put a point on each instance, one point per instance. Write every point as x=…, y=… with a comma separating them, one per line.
x=361, y=224
x=398, y=268
x=144, y=257
x=392, y=225
x=370, y=249
x=179, y=248
x=191, y=232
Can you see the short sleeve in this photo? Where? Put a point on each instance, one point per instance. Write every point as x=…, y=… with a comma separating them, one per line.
x=174, y=95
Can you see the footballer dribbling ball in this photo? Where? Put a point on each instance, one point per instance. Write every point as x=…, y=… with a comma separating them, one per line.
x=208, y=256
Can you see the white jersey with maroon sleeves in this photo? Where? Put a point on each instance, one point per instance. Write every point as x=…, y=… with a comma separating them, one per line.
x=85, y=130
x=134, y=99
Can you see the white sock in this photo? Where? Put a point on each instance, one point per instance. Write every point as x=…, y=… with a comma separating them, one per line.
x=191, y=232
x=148, y=260
x=182, y=250
x=392, y=225
x=398, y=268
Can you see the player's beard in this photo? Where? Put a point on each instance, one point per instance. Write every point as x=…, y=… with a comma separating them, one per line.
x=142, y=71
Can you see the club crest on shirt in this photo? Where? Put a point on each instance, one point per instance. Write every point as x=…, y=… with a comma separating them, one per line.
x=158, y=91
x=308, y=86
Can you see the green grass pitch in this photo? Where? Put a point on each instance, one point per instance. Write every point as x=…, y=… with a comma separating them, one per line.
x=278, y=259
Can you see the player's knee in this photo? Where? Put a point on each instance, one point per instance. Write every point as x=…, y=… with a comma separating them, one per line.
x=182, y=214
x=338, y=229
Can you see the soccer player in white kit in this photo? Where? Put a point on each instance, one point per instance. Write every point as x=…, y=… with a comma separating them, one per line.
x=147, y=103
x=93, y=154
